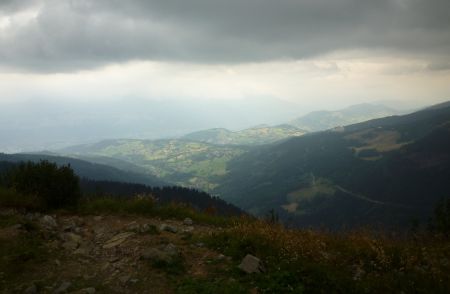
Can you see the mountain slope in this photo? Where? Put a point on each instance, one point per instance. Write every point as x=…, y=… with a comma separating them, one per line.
x=253, y=136
x=183, y=162
x=324, y=120
x=384, y=171
x=85, y=169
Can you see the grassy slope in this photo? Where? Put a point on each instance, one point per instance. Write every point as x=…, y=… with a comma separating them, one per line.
x=252, y=136
x=183, y=162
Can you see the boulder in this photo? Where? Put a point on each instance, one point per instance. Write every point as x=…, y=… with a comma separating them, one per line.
x=145, y=228
x=117, y=240
x=251, y=264
x=168, y=228
x=31, y=290
x=155, y=255
x=48, y=222
x=70, y=245
x=133, y=226
x=63, y=288
x=188, y=221
x=171, y=250
x=89, y=290
x=71, y=237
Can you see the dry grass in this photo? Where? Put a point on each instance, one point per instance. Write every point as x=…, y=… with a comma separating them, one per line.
x=359, y=261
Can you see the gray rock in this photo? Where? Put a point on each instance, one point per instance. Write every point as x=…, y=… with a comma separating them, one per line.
x=155, y=255
x=251, y=264
x=168, y=228
x=71, y=237
x=133, y=226
x=145, y=228
x=117, y=240
x=63, y=287
x=70, y=226
x=188, y=229
x=171, y=250
x=188, y=222
x=79, y=221
x=124, y=279
x=70, y=245
x=90, y=290
x=16, y=227
x=31, y=290
x=48, y=222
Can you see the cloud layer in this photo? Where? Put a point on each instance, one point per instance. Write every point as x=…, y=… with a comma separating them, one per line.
x=53, y=36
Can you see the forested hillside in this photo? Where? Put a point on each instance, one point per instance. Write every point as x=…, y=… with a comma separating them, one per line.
x=382, y=172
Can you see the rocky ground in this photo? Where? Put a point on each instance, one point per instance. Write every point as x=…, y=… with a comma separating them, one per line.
x=104, y=254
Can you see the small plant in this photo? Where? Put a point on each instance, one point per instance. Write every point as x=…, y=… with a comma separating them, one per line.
x=173, y=265
x=440, y=223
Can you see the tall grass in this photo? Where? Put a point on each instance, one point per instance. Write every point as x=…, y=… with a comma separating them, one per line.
x=359, y=261
x=147, y=206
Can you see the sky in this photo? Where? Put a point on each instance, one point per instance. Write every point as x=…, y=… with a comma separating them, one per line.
x=83, y=70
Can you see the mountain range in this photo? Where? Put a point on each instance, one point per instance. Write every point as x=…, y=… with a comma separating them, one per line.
x=324, y=120
x=383, y=171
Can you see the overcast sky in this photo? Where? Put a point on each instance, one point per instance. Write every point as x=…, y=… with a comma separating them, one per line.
x=314, y=54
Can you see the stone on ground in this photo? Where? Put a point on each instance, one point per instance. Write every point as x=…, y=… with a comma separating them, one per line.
x=251, y=264
x=188, y=221
x=168, y=228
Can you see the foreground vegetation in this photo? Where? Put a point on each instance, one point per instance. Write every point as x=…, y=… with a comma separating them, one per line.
x=295, y=261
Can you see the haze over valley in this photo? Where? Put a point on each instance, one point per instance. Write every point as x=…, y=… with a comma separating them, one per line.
x=240, y=146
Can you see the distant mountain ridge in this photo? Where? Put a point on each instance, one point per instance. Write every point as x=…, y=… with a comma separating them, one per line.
x=257, y=135
x=324, y=120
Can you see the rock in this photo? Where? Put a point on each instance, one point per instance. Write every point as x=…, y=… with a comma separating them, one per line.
x=57, y=262
x=48, y=222
x=90, y=290
x=70, y=245
x=117, y=240
x=188, y=222
x=98, y=218
x=200, y=244
x=71, y=237
x=168, y=228
x=124, y=279
x=188, y=229
x=133, y=226
x=31, y=290
x=145, y=228
x=79, y=221
x=84, y=250
x=155, y=255
x=251, y=264
x=29, y=216
x=63, y=287
x=70, y=226
x=16, y=227
x=171, y=250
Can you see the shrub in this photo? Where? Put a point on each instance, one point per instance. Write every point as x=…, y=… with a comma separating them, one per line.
x=56, y=187
x=440, y=223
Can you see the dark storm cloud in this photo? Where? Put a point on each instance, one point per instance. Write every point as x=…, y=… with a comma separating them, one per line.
x=72, y=35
